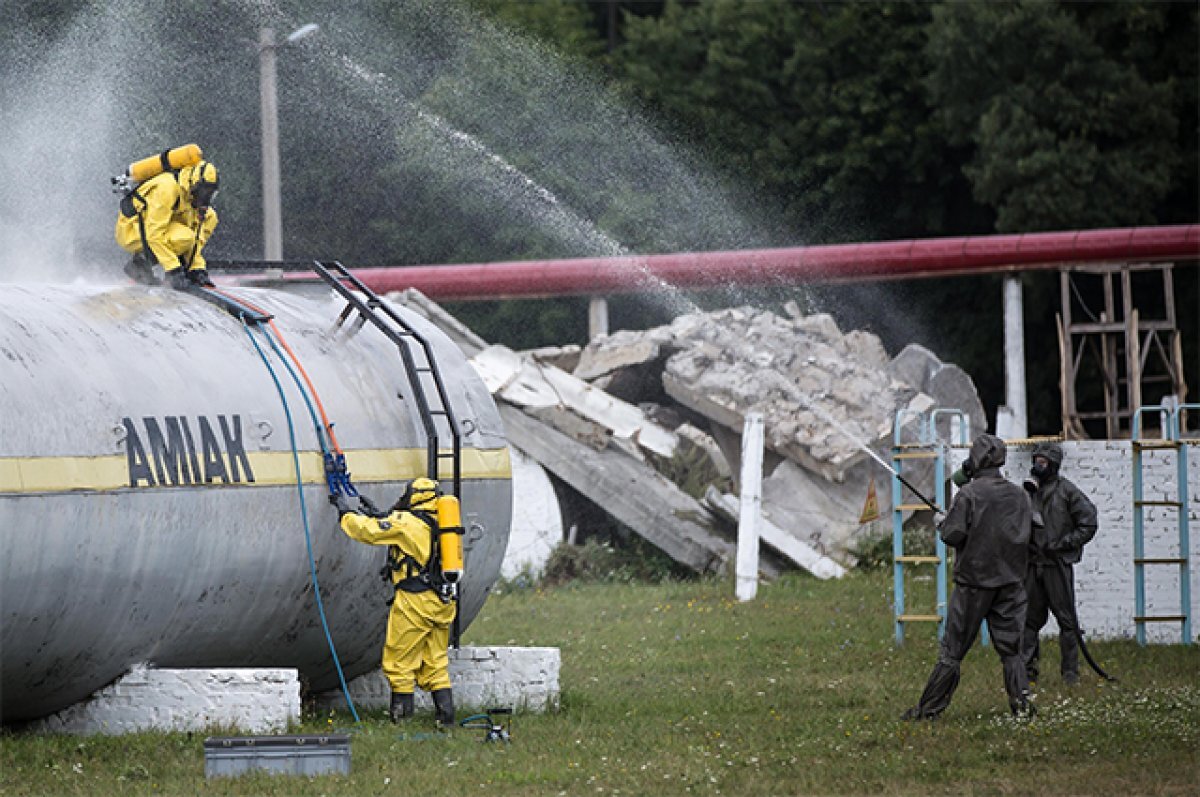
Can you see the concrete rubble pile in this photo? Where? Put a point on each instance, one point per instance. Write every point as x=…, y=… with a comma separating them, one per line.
x=613, y=418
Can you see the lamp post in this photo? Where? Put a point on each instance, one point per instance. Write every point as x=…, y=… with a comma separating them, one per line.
x=272, y=214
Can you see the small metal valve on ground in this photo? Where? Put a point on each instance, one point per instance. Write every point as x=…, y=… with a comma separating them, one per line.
x=494, y=731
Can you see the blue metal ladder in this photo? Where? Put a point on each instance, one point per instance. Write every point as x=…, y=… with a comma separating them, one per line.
x=1174, y=441
x=928, y=446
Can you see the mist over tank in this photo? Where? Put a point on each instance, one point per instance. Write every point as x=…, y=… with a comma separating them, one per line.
x=148, y=501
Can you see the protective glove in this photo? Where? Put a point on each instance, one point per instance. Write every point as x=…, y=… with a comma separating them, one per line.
x=345, y=504
x=369, y=508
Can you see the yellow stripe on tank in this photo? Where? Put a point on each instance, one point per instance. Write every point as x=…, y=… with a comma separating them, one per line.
x=66, y=474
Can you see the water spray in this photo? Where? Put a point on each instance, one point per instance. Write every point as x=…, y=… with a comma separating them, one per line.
x=854, y=439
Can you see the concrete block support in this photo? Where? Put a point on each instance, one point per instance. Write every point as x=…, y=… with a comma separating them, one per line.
x=146, y=699
x=1104, y=585
x=483, y=677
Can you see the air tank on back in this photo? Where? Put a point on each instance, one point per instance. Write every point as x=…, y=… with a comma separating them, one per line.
x=149, y=506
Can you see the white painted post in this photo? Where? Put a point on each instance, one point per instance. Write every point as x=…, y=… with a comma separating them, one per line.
x=597, y=317
x=1014, y=357
x=750, y=515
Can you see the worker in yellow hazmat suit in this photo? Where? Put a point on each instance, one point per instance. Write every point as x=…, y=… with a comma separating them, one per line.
x=415, y=650
x=167, y=220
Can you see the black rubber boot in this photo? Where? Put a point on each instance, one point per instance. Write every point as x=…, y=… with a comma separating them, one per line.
x=199, y=276
x=443, y=707
x=1025, y=710
x=402, y=706
x=140, y=271
x=178, y=279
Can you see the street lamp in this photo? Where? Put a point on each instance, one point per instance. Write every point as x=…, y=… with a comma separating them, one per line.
x=272, y=214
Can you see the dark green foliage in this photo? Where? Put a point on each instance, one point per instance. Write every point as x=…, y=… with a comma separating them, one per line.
x=565, y=24
x=874, y=552
x=1063, y=134
x=819, y=107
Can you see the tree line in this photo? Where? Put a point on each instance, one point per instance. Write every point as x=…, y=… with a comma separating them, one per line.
x=425, y=131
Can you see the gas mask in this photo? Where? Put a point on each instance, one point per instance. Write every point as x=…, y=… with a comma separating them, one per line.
x=1042, y=471
x=203, y=194
x=964, y=474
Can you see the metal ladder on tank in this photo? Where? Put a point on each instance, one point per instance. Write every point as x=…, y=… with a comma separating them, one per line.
x=371, y=308
x=927, y=447
x=1173, y=440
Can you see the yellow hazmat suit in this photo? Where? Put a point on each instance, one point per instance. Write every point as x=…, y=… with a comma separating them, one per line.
x=169, y=216
x=418, y=630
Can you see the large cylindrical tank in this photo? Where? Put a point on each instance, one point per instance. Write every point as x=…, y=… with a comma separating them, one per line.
x=149, y=508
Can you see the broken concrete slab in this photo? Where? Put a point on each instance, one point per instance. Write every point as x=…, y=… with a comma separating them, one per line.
x=796, y=551
x=824, y=394
x=565, y=358
x=520, y=381
x=621, y=349
x=948, y=385
x=824, y=515
x=633, y=493
x=951, y=386
x=802, y=373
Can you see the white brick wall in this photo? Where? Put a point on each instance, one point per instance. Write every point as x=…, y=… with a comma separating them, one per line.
x=1104, y=581
x=483, y=677
x=248, y=700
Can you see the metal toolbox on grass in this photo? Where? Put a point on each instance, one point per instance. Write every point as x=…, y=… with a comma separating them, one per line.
x=283, y=755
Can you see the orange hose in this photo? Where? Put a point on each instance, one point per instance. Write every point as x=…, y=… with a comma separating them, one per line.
x=316, y=397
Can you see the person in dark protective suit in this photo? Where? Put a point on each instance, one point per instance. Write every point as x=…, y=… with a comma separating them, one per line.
x=988, y=526
x=1069, y=523
x=416, y=648
x=167, y=220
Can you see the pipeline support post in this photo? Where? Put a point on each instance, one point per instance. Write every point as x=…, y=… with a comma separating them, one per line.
x=272, y=214
x=750, y=515
x=597, y=317
x=1014, y=358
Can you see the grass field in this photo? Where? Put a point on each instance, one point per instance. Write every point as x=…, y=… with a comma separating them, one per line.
x=678, y=689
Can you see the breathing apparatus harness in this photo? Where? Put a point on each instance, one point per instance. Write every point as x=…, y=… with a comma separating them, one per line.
x=417, y=577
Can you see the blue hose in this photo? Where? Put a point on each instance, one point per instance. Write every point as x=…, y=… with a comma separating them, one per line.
x=312, y=563
x=336, y=476
x=312, y=412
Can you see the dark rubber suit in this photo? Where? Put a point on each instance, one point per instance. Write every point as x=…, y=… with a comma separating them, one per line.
x=1069, y=520
x=988, y=527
